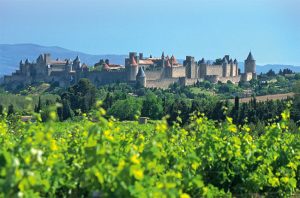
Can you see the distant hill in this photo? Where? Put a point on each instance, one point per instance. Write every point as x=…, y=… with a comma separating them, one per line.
x=274, y=67
x=10, y=55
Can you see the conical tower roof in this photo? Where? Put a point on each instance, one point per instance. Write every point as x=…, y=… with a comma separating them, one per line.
x=250, y=57
x=133, y=62
x=141, y=72
x=77, y=59
x=106, y=66
x=168, y=63
x=225, y=60
x=173, y=59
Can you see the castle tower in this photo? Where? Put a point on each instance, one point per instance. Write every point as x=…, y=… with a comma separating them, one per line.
x=231, y=67
x=40, y=60
x=141, y=77
x=202, y=68
x=68, y=66
x=131, y=65
x=250, y=65
x=163, y=59
x=76, y=63
x=167, y=68
x=235, y=62
x=224, y=66
x=47, y=58
x=191, y=69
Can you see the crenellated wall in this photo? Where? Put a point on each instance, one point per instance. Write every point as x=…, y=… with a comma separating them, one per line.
x=153, y=75
x=178, y=72
x=214, y=70
x=163, y=83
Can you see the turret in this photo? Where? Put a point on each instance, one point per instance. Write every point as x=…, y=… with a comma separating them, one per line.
x=141, y=56
x=40, y=59
x=163, y=59
x=131, y=65
x=141, y=77
x=224, y=66
x=202, y=61
x=47, y=58
x=250, y=64
x=173, y=60
x=191, y=69
x=76, y=63
x=68, y=66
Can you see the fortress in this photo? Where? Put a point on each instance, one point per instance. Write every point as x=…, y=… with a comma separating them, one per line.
x=147, y=72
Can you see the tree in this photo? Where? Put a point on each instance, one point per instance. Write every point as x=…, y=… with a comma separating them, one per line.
x=81, y=96
x=107, y=102
x=10, y=110
x=152, y=106
x=271, y=73
x=179, y=109
x=235, y=110
x=67, y=112
x=39, y=106
x=127, y=109
x=295, y=114
x=1, y=109
x=218, y=61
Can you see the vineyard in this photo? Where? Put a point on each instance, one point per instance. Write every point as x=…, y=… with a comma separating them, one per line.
x=107, y=158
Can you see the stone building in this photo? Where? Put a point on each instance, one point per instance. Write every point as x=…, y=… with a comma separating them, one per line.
x=250, y=68
x=146, y=71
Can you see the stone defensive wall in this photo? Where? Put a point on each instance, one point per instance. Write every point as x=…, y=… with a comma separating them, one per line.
x=234, y=79
x=153, y=75
x=235, y=70
x=98, y=77
x=178, y=72
x=191, y=81
x=214, y=70
x=163, y=83
x=228, y=67
x=183, y=81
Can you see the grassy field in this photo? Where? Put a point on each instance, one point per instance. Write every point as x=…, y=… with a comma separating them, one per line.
x=197, y=90
x=267, y=97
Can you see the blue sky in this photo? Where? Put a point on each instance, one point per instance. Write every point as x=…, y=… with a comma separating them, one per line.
x=202, y=28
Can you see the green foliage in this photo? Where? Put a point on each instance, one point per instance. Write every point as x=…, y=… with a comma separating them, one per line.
x=11, y=110
x=128, y=109
x=1, y=109
x=21, y=103
x=79, y=98
x=296, y=104
x=112, y=159
x=152, y=107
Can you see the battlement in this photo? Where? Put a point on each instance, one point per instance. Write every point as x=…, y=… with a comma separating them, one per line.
x=155, y=70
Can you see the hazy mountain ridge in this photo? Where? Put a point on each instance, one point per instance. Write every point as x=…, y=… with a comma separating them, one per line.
x=11, y=54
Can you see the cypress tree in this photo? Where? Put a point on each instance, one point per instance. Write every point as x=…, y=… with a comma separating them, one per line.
x=11, y=109
x=38, y=108
x=1, y=109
